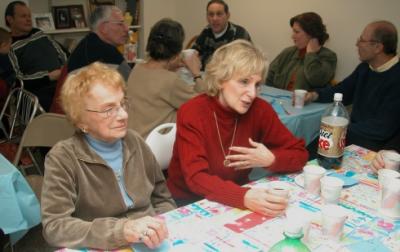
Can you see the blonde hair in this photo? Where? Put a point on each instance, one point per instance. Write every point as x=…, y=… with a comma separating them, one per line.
x=78, y=85
x=238, y=57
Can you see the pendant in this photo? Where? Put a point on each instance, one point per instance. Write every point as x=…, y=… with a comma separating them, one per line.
x=226, y=162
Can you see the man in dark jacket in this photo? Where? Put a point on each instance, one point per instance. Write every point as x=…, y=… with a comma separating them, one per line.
x=35, y=57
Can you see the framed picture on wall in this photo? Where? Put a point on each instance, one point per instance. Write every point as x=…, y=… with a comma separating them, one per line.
x=70, y=16
x=77, y=16
x=62, y=17
x=94, y=3
x=43, y=21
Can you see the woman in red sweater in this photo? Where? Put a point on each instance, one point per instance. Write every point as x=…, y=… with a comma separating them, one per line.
x=221, y=135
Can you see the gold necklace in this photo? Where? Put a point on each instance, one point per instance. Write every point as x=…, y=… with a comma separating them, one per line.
x=226, y=161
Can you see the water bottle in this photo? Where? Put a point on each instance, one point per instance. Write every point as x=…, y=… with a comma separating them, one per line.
x=332, y=134
x=292, y=242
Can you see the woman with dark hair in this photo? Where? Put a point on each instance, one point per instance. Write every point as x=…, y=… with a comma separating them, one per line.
x=307, y=64
x=155, y=89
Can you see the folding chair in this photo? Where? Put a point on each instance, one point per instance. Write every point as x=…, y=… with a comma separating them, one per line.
x=162, y=144
x=44, y=130
x=19, y=109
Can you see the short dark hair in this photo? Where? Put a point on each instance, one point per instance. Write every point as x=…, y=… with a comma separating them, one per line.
x=10, y=10
x=5, y=36
x=226, y=7
x=312, y=24
x=165, y=39
x=386, y=33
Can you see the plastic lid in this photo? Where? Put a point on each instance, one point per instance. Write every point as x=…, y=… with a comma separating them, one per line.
x=338, y=97
x=293, y=228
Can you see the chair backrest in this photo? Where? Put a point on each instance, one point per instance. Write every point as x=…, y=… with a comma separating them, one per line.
x=161, y=144
x=44, y=130
x=19, y=109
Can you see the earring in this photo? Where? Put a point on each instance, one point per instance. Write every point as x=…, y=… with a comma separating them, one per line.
x=84, y=130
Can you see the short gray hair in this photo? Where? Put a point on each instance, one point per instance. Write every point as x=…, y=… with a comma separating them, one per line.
x=100, y=14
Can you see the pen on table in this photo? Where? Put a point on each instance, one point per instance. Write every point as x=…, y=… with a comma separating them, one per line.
x=249, y=244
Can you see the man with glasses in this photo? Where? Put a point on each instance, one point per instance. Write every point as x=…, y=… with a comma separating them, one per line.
x=218, y=32
x=108, y=31
x=373, y=88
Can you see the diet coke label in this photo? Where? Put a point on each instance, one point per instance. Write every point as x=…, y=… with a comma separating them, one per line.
x=332, y=136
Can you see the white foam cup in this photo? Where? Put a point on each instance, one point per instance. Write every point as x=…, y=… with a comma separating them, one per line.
x=391, y=160
x=279, y=188
x=187, y=53
x=331, y=188
x=312, y=177
x=389, y=193
x=333, y=219
x=299, y=96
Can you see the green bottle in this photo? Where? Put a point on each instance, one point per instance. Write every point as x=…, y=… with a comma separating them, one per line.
x=292, y=242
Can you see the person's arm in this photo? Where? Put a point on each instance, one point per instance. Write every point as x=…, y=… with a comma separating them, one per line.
x=347, y=87
x=59, y=194
x=180, y=91
x=161, y=198
x=194, y=161
x=319, y=67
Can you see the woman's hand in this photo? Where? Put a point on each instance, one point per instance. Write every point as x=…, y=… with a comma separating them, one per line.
x=257, y=156
x=313, y=46
x=193, y=63
x=149, y=230
x=265, y=203
x=378, y=162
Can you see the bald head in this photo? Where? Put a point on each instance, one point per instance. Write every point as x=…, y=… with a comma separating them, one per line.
x=386, y=33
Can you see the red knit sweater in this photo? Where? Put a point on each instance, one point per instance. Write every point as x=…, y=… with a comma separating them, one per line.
x=197, y=169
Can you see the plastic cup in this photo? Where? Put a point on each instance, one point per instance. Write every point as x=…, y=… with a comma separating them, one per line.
x=391, y=160
x=279, y=188
x=299, y=96
x=389, y=193
x=333, y=219
x=187, y=53
x=312, y=177
x=331, y=188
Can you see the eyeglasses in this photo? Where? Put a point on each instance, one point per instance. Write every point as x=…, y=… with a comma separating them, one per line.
x=120, y=22
x=361, y=40
x=113, y=111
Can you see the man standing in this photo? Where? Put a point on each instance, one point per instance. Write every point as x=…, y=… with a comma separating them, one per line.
x=373, y=88
x=218, y=32
x=36, y=58
x=108, y=31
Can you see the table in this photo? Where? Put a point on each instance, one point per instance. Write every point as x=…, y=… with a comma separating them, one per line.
x=19, y=207
x=210, y=226
x=303, y=123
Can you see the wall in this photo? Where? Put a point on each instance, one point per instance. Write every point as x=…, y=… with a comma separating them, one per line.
x=268, y=21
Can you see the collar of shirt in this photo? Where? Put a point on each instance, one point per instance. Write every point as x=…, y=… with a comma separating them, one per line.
x=218, y=35
x=393, y=61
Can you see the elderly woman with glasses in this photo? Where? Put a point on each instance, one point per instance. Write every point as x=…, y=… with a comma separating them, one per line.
x=103, y=184
x=221, y=135
x=308, y=64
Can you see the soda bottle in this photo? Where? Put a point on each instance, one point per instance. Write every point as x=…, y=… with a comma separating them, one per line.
x=292, y=242
x=332, y=134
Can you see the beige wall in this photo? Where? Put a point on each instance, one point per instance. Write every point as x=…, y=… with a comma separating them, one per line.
x=267, y=21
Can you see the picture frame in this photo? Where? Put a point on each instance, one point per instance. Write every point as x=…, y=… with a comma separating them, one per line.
x=43, y=21
x=69, y=16
x=94, y=3
x=62, y=17
x=77, y=15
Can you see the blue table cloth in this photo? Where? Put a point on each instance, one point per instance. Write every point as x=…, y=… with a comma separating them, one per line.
x=303, y=123
x=19, y=207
